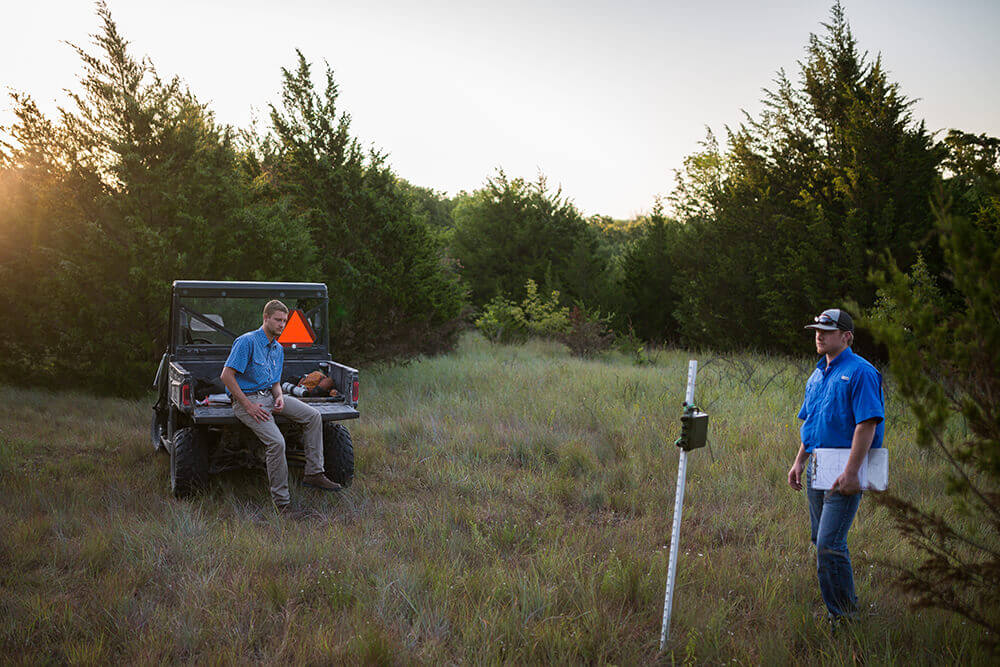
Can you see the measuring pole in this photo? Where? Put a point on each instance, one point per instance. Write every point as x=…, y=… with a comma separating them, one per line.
x=675, y=532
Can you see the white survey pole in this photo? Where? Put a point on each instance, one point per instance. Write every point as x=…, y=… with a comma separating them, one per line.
x=675, y=532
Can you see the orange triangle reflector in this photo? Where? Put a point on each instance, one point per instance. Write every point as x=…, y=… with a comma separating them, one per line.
x=297, y=331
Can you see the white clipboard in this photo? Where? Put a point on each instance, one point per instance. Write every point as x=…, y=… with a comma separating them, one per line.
x=828, y=464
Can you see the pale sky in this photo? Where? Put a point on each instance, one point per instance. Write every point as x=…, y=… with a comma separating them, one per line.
x=605, y=98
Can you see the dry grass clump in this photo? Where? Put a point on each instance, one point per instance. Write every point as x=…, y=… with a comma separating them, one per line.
x=512, y=504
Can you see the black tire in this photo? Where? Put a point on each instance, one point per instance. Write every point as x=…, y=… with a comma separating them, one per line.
x=189, y=462
x=338, y=454
x=158, y=429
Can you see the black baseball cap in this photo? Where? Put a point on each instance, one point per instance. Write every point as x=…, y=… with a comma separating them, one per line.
x=832, y=320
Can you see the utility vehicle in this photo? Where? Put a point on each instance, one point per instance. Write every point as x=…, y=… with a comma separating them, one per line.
x=192, y=418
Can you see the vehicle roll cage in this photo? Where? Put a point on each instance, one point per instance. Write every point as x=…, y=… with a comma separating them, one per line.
x=186, y=289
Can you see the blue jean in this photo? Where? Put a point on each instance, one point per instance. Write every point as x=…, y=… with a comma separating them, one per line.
x=831, y=515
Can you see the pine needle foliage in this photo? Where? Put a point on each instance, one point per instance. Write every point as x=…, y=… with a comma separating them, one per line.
x=393, y=290
x=948, y=372
x=793, y=212
x=511, y=231
x=132, y=186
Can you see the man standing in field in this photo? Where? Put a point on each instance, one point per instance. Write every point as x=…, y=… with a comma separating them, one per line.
x=843, y=408
x=252, y=376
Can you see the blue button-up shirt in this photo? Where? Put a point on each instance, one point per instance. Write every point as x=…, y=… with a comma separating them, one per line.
x=838, y=398
x=256, y=360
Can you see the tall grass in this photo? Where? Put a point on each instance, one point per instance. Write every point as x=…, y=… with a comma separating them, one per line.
x=512, y=504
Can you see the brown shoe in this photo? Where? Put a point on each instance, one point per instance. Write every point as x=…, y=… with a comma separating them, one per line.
x=320, y=481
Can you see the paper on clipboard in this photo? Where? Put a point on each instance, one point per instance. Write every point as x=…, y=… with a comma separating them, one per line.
x=828, y=463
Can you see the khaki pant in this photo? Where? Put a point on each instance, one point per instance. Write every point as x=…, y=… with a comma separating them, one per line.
x=274, y=441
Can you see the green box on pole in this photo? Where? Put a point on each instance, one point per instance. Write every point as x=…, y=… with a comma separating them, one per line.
x=694, y=429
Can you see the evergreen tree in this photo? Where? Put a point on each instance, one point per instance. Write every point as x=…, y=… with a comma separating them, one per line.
x=790, y=218
x=133, y=187
x=435, y=207
x=946, y=366
x=393, y=290
x=972, y=177
x=512, y=231
x=648, y=279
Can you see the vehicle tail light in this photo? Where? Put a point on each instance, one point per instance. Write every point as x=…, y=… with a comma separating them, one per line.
x=355, y=391
x=186, y=395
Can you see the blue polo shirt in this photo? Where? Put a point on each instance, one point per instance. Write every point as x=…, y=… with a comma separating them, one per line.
x=256, y=360
x=839, y=398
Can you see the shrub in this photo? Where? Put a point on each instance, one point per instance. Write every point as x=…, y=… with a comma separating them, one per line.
x=632, y=346
x=587, y=334
x=542, y=317
x=499, y=323
x=503, y=321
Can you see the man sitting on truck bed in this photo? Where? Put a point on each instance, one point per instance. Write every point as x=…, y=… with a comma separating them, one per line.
x=252, y=376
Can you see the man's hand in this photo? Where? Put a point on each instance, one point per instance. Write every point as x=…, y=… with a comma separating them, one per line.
x=279, y=403
x=847, y=484
x=795, y=475
x=257, y=411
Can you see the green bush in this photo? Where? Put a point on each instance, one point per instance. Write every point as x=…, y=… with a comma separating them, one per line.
x=503, y=321
x=635, y=348
x=499, y=322
x=588, y=333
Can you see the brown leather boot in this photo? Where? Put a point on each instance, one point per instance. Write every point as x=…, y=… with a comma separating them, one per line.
x=320, y=481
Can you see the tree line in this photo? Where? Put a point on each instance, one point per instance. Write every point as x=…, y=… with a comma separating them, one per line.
x=135, y=184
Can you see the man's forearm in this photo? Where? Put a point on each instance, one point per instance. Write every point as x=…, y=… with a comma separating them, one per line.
x=276, y=390
x=861, y=442
x=800, y=456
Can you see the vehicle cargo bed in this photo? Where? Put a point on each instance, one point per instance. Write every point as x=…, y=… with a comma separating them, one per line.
x=223, y=414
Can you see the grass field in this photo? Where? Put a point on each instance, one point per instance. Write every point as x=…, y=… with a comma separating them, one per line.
x=511, y=504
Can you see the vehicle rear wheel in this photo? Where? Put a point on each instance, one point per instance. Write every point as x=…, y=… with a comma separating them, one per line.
x=338, y=453
x=189, y=462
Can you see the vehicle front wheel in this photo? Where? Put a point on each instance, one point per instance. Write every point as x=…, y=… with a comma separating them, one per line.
x=189, y=462
x=338, y=453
